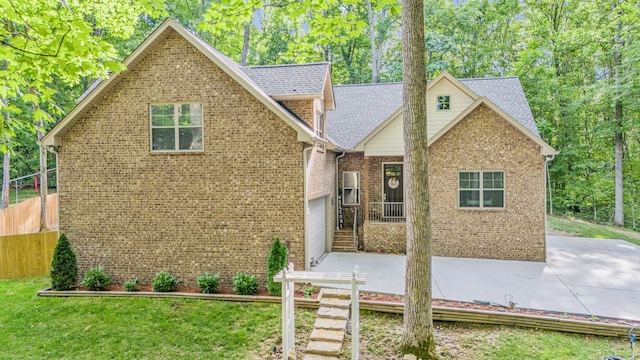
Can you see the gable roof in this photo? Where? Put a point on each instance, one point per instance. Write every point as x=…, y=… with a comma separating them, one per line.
x=291, y=81
x=226, y=64
x=361, y=109
x=372, y=106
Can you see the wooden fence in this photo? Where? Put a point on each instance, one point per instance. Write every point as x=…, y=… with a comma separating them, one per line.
x=24, y=217
x=26, y=255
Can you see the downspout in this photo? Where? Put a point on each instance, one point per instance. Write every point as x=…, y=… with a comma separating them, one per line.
x=547, y=159
x=337, y=191
x=305, y=151
x=53, y=150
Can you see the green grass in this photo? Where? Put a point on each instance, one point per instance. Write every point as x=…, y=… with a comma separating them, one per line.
x=590, y=230
x=124, y=328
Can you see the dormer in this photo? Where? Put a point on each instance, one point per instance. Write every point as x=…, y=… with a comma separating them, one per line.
x=305, y=90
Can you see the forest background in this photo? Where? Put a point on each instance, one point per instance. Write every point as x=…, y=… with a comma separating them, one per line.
x=578, y=62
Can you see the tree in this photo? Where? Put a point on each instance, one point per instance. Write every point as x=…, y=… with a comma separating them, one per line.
x=64, y=267
x=417, y=337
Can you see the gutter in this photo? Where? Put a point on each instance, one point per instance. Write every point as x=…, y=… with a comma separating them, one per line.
x=54, y=150
x=305, y=151
x=337, y=191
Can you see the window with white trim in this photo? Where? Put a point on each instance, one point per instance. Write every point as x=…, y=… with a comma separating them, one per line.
x=350, y=188
x=176, y=127
x=481, y=189
x=443, y=102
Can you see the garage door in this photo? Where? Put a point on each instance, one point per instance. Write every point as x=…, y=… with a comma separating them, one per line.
x=317, y=228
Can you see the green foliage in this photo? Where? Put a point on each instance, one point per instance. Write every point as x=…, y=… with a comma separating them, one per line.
x=64, y=267
x=208, y=283
x=165, y=282
x=95, y=279
x=277, y=260
x=245, y=284
x=131, y=285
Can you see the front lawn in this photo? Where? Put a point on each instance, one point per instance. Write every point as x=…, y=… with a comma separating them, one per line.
x=127, y=328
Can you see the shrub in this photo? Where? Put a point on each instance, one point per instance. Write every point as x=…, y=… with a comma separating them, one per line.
x=64, y=267
x=245, y=284
x=95, y=279
x=164, y=282
x=208, y=283
x=131, y=285
x=277, y=260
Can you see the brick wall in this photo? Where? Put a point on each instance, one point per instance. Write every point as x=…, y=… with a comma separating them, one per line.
x=385, y=237
x=485, y=141
x=302, y=108
x=137, y=213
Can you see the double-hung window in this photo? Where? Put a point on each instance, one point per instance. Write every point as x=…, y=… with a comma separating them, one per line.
x=481, y=189
x=350, y=188
x=176, y=127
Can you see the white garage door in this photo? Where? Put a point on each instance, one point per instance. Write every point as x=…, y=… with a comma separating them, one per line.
x=317, y=228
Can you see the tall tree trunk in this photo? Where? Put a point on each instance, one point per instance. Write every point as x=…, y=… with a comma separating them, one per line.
x=245, y=44
x=417, y=337
x=6, y=174
x=4, y=201
x=618, y=215
x=375, y=53
x=44, y=186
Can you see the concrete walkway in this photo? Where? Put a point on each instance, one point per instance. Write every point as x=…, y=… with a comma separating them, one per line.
x=585, y=276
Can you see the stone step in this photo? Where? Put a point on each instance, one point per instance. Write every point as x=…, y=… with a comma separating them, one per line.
x=330, y=324
x=327, y=335
x=327, y=348
x=333, y=313
x=320, y=357
x=335, y=293
x=335, y=302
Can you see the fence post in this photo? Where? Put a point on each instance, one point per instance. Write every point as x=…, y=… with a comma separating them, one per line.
x=355, y=315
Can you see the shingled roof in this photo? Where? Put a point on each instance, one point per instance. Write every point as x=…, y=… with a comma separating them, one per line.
x=287, y=80
x=362, y=108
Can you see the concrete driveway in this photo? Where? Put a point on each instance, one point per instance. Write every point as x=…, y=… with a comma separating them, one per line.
x=586, y=276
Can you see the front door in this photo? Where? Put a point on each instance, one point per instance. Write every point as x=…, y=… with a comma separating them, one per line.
x=393, y=192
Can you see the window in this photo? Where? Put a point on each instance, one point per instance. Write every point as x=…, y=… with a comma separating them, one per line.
x=481, y=189
x=443, y=102
x=319, y=125
x=176, y=127
x=350, y=188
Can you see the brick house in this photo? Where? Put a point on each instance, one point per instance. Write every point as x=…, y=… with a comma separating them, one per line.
x=187, y=162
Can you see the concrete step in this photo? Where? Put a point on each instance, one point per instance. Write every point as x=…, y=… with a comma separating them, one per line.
x=335, y=302
x=327, y=335
x=320, y=357
x=352, y=249
x=326, y=348
x=335, y=293
x=330, y=324
x=333, y=313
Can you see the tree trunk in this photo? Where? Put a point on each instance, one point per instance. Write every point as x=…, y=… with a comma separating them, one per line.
x=4, y=201
x=417, y=337
x=245, y=44
x=44, y=186
x=375, y=53
x=618, y=216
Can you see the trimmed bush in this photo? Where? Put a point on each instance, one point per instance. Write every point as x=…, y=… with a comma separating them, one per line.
x=131, y=285
x=64, y=267
x=95, y=279
x=277, y=260
x=245, y=284
x=208, y=283
x=165, y=282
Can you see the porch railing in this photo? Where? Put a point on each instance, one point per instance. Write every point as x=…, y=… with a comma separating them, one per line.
x=386, y=212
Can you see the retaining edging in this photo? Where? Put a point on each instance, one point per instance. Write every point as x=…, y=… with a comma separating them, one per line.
x=440, y=313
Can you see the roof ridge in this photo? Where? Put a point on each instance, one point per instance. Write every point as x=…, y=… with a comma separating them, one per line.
x=368, y=84
x=283, y=65
x=490, y=78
